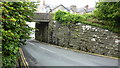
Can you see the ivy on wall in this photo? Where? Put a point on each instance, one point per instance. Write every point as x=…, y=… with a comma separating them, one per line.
x=15, y=31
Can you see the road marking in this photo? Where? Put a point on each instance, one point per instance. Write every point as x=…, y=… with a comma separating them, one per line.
x=77, y=51
x=43, y=48
x=47, y=50
x=31, y=43
x=23, y=58
x=84, y=52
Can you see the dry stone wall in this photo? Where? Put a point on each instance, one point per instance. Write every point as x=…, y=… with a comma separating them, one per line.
x=85, y=37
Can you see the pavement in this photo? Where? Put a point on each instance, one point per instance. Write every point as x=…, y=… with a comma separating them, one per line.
x=42, y=54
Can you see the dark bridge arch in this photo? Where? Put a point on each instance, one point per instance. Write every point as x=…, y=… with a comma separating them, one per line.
x=42, y=21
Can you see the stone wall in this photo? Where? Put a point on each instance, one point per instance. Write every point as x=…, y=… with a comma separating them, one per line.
x=85, y=37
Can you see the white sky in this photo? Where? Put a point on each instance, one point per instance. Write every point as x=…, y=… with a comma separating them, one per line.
x=68, y=3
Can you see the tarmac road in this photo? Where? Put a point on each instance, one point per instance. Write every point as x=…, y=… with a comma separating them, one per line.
x=42, y=54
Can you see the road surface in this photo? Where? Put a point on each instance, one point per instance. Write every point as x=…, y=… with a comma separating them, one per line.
x=42, y=54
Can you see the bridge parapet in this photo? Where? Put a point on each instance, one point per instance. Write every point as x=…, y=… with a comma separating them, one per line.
x=43, y=17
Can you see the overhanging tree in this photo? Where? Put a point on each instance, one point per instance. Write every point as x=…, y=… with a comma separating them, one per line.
x=109, y=11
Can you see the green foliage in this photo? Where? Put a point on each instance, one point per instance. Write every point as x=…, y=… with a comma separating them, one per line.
x=109, y=11
x=67, y=18
x=15, y=31
x=9, y=61
x=88, y=15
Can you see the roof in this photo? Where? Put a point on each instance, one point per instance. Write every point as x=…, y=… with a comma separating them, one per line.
x=59, y=6
x=80, y=10
x=90, y=10
x=83, y=10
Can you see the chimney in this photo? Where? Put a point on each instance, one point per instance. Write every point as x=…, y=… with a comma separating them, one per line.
x=43, y=2
x=73, y=8
x=86, y=7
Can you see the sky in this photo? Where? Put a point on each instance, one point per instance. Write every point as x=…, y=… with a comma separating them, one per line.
x=68, y=3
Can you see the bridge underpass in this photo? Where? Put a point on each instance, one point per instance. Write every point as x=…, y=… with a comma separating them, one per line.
x=42, y=20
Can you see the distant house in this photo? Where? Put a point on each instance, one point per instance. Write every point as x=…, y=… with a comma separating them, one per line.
x=90, y=10
x=82, y=10
x=59, y=7
x=48, y=8
x=43, y=8
x=85, y=9
x=73, y=8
